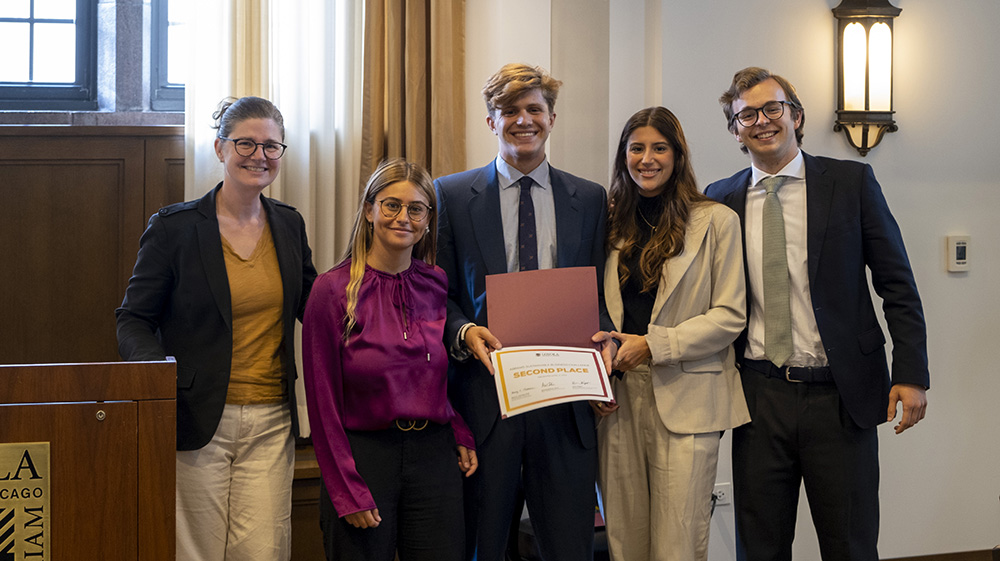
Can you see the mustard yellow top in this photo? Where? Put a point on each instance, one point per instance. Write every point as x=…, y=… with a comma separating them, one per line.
x=255, y=288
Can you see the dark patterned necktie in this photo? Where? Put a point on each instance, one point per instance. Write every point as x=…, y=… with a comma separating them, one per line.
x=527, y=241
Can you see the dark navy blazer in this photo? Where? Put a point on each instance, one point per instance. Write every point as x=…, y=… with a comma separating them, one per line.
x=471, y=246
x=850, y=228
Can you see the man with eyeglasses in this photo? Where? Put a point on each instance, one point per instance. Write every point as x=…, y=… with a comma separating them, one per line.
x=813, y=355
x=514, y=214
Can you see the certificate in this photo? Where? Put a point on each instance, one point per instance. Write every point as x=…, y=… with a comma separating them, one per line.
x=529, y=378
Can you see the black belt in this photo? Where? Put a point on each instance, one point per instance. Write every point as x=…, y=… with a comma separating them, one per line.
x=812, y=374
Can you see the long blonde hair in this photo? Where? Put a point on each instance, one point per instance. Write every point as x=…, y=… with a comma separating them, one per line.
x=387, y=173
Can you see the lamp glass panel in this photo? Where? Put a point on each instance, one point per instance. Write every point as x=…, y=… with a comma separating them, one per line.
x=880, y=68
x=855, y=55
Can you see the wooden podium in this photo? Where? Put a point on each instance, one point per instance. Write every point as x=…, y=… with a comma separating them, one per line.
x=111, y=429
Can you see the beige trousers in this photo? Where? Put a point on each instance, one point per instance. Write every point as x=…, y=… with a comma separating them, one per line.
x=234, y=496
x=656, y=485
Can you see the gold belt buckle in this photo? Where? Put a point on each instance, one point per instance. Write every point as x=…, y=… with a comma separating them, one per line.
x=412, y=425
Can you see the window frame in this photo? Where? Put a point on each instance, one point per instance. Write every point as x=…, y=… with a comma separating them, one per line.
x=80, y=95
x=163, y=95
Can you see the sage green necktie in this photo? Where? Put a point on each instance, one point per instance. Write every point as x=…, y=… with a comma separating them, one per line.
x=777, y=310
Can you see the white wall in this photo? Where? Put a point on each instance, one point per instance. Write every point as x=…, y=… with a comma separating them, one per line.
x=940, y=173
x=497, y=33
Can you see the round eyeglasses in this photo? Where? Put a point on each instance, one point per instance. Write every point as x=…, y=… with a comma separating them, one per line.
x=415, y=211
x=246, y=147
x=772, y=110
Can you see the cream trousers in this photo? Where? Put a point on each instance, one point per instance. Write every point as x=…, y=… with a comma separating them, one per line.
x=234, y=496
x=656, y=485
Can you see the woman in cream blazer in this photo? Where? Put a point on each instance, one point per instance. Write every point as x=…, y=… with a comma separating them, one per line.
x=675, y=289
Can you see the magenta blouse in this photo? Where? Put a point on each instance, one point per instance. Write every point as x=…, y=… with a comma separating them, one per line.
x=394, y=366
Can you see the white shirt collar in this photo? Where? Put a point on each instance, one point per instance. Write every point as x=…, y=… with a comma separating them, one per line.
x=795, y=169
x=508, y=175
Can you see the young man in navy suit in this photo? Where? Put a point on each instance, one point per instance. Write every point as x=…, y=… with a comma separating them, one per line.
x=817, y=383
x=550, y=454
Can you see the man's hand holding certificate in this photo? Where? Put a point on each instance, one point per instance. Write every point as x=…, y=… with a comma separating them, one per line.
x=545, y=320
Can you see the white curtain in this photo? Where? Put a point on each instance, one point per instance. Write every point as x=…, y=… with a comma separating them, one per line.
x=304, y=55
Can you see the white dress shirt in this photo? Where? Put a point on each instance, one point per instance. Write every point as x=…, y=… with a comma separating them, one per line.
x=807, y=345
x=545, y=212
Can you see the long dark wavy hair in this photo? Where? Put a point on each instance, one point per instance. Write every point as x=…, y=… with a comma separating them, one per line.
x=679, y=196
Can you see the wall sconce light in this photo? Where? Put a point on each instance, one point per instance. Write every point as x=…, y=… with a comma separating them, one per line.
x=864, y=68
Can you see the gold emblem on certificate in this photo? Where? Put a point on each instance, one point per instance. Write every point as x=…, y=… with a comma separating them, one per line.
x=24, y=501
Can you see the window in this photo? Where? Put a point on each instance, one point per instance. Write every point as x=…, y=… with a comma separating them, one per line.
x=168, y=42
x=50, y=54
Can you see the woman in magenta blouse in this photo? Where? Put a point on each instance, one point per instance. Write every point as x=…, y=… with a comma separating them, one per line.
x=385, y=436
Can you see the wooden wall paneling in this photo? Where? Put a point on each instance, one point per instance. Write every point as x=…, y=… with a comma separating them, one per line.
x=75, y=204
x=66, y=244
x=307, y=538
x=164, y=173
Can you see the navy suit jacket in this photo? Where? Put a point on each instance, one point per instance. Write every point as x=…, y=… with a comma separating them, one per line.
x=177, y=303
x=850, y=229
x=471, y=246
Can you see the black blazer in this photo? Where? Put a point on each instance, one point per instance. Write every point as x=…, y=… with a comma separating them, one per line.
x=178, y=304
x=471, y=246
x=850, y=229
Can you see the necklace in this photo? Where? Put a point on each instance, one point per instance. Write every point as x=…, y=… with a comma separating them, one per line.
x=639, y=210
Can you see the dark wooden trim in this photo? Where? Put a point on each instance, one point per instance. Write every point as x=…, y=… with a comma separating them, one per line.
x=983, y=555
x=101, y=131
x=157, y=456
x=106, y=381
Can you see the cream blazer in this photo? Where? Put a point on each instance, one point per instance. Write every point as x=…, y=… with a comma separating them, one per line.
x=700, y=309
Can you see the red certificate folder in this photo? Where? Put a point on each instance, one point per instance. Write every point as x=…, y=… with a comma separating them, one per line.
x=544, y=307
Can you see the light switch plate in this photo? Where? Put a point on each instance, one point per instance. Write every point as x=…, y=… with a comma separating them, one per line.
x=958, y=253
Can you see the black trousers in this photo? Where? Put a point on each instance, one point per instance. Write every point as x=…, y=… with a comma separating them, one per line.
x=801, y=433
x=417, y=486
x=540, y=453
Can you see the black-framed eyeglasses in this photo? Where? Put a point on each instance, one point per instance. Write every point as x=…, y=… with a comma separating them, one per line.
x=772, y=110
x=246, y=147
x=416, y=211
